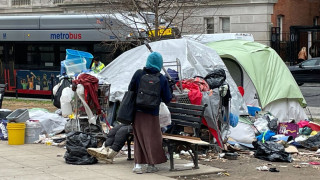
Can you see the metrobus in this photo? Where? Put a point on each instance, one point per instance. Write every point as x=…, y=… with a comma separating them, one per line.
x=32, y=47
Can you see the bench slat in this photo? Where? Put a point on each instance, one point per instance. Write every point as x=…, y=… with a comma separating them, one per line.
x=184, y=139
x=186, y=118
x=185, y=123
x=185, y=111
x=187, y=106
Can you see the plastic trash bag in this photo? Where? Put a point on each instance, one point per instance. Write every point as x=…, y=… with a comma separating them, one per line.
x=312, y=142
x=164, y=115
x=65, y=100
x=77, y=144
x=271, y=151
x=243, y=133
x=261, y=124
x=215, y=78
x=52, y=123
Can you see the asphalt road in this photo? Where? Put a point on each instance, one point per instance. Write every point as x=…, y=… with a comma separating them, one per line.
x=311, y=92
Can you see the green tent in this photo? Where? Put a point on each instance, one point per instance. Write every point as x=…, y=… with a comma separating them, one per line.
x=273, y=82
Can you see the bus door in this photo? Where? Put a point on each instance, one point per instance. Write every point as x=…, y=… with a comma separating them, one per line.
x=7, y=71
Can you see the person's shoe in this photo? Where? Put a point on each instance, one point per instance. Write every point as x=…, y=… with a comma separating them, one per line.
x=99, y=153
x=152, y=169
x=105, y=160
x=111, y=154
x=137, y=170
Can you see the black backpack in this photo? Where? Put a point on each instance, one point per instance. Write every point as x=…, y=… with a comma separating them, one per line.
x=148, y=95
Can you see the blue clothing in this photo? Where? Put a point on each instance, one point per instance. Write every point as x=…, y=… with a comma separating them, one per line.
x=154, y=61
x=165, y=93
x=265, y=136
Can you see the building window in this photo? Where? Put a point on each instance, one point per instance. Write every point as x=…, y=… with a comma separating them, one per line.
x=316, y=21
x=280, y=24
x=225, y=25
x=209, y=24
x=20, y=2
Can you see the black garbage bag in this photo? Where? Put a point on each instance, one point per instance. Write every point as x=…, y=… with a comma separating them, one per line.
x=271, y=151
x=77, y=144
x=65, y=82
x=312, y=143
x=215, y=78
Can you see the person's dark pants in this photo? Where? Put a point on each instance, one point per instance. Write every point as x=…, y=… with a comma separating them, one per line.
x=300, y=61
x=117, y=137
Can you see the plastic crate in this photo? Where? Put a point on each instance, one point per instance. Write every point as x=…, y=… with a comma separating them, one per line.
x=18, y=116
x=72, y=54
x=75, y=66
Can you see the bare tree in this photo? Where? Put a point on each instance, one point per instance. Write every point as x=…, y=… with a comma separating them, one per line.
x=132, y=21
x=153, y=19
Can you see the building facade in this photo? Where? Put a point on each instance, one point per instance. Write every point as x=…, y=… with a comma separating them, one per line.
x=296, y=25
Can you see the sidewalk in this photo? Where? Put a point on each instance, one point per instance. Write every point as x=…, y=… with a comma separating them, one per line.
x=315, y=112
x=38, y=161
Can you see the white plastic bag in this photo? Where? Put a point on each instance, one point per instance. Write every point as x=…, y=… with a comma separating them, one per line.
x=243, y=133
x=65, y=100
x=164, y=115
x=261, y=124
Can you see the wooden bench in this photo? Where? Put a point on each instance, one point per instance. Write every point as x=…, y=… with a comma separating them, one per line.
x=182, y=115
x=185, y=115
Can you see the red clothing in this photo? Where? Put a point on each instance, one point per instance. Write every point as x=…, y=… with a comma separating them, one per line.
x=90, y=84
x=195, y=86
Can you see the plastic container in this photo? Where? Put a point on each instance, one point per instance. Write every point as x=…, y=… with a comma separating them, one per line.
x=18, y=116
x=72, y=54
x=253, y=109
x=16, y=133
x=33, y=130
x=4, y=113
x=63, y=70
x=75, y=66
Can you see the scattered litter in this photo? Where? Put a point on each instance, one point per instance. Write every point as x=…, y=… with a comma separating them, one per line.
x=262, y=168
x=176, y=156
x=314, y=163
x=223, y=174
x=221, y=155
x=291, y=149
x=206, y=160
x=231, y=156
x=304, y=163
x=297, y=166
x=283, y=166
x=274, y=170
x=185, y=153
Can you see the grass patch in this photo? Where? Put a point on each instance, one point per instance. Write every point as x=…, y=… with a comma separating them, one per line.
x=27, y=101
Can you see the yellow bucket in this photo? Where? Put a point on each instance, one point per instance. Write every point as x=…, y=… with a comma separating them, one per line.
x=16, y=133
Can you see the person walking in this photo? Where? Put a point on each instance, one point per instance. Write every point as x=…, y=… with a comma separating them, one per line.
x=302, y=55
x=146, y=127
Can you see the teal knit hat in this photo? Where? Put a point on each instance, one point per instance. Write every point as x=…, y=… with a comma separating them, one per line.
x=154, y=60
